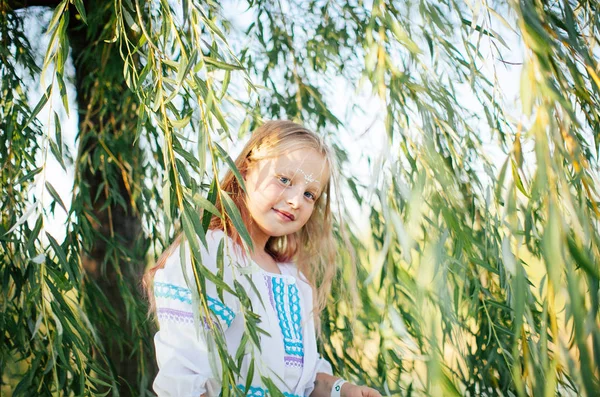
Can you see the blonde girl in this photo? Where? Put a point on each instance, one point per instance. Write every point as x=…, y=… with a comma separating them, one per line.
x=285, y=276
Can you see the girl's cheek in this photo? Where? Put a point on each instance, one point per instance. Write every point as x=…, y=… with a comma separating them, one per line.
x=307, y=217
x=274, y=188
x=269, y=189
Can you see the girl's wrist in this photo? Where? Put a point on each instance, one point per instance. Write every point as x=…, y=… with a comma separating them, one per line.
x=340, y=387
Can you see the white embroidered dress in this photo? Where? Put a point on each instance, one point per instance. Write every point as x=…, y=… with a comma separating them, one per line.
x=188, y=362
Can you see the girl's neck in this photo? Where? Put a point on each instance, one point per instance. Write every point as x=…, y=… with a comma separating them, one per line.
x=259, y=239
x=259, y=254
x=265, y=261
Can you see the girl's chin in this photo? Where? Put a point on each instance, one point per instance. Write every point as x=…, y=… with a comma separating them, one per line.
x=277, y=231
x=281, y=233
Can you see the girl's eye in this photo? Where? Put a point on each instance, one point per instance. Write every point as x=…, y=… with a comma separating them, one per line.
x=309, y=195
x=284, y=180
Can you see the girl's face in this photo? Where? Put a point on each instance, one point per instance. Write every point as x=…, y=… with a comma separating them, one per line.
x=281, y=192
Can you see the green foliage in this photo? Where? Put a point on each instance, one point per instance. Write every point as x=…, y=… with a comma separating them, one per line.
x=471, y=280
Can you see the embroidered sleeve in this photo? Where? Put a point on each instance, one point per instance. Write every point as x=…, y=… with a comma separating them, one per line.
x=166, y=291
x=181, y=345
x=182, y=356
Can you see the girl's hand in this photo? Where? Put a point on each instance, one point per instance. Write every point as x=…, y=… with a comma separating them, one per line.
x=351, y=390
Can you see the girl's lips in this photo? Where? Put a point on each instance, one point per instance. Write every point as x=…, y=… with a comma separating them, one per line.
x=285, y=215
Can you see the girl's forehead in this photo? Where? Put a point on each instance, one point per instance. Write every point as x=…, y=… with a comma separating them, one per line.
x=302, y=156
x=306, y=161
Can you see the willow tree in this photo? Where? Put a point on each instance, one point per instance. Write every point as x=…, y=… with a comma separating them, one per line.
x=474, y=279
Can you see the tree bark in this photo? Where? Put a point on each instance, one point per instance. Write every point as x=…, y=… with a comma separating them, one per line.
x=107, y=126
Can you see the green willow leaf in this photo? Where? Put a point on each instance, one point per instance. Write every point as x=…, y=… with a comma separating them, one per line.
x=582, y=259
x=249, y=375
x=56, y=15
x=212, y=198
x=236, y=218
x=62, y=259
x=63, y=92
x=202, y=148
x=192, y=220
x=41, y=103
x=58, y=133
x=81, y=10
x=33, y=236
x=220, y=64
x=57, y=153
x=29, y=175
x=56, y=196
x=189, y=158
x=231, y=165
x=206, y=205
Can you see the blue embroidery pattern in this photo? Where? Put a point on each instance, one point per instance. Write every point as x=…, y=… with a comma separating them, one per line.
x=175, y=292
x=222, y=311
x=295, y=310
x=289, y=321
x=256, y=391
x=171, y=291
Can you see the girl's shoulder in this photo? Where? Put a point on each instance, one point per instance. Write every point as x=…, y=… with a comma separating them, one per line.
x=214, y=238
x=181, y=256
x=232, y=252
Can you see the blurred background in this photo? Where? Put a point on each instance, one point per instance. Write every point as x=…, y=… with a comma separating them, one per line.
x=467, y=139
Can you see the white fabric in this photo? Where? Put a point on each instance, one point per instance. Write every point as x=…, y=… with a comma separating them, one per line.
x=188, y=362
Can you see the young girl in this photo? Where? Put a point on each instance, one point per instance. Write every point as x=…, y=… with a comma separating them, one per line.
x=286, y=277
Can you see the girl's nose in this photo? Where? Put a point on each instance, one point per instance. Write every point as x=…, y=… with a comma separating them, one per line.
x=294, y=196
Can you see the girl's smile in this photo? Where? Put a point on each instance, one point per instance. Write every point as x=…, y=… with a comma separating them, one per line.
x=281, y=192
x=285, y=216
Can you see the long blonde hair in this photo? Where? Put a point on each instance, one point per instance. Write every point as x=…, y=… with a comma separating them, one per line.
x=313, y=247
